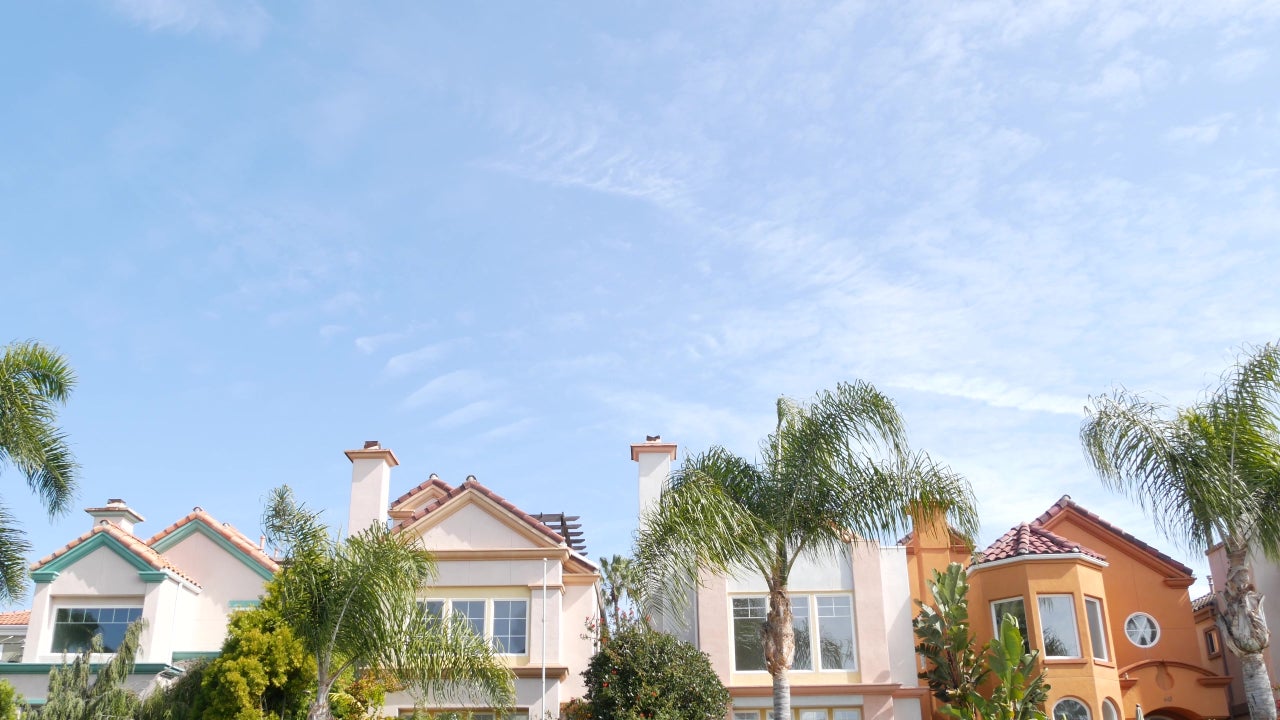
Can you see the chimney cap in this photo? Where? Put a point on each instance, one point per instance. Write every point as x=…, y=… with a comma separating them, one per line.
x=652, y=444
x=372, y=445
x=373, y=450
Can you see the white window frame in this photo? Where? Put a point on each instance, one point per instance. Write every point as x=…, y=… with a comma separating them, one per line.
x=733, y=635
x=809, y=599
x=1075, y=621
x=1154, y=623
x=1088, y=713
x=488, y=619
x=59, y=606
x=1098, y=634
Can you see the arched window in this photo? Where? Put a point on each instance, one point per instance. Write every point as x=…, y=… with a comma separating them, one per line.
x=1109, y=711
x=1070, y=709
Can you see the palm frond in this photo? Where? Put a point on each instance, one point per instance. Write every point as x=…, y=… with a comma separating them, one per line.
x=13, y=553
x=34, y=382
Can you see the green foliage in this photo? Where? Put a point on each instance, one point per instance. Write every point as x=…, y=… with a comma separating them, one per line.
x=34, y=382
x=12, y=704
x=641, y=673
x=621, y=582
x=75, y=695
x=833, y=469
x=958, y=672
x=178, y=700
x=353, y=604
x=263, y=672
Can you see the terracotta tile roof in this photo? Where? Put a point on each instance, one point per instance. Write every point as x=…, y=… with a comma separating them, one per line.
x=140, y=549
x=1030, y=539
x=473, y=484
x=225, y=530
x=15, y=617
x=431, y=482
x=1065, y=502
x=1202, y=602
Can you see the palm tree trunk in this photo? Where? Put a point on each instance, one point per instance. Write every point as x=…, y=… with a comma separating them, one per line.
x=1244, y=630
x=779, y=649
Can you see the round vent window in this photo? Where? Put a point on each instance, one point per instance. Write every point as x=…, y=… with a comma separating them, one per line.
x=1070, y=709
x=1142, y=630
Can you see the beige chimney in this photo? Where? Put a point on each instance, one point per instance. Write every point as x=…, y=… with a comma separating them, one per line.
x=370, y=485
x=655, y=459
x=118, y=513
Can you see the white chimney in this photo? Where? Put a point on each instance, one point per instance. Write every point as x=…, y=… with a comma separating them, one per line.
x=370, y=485
x=118, y=513
x=655, y=459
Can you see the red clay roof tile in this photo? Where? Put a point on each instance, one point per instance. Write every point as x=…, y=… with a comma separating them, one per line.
x=1065, y=502
x=473, y=484
x=140, y=549
x=15, y=617
x=226, y=530
x=1030, y=539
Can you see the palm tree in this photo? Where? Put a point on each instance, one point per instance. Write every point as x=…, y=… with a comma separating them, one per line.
x=353, y=604
x=1207, y=472
x=834, y=470
x=34, y=381
x=620, y=579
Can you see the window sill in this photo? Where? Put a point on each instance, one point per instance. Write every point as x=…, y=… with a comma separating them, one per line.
x=1065, y=661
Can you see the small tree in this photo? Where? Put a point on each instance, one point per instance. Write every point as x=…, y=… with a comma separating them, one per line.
x=12, y=704
x=75, y=695
x=641, y=673
x=958, y=670
x=263, y=672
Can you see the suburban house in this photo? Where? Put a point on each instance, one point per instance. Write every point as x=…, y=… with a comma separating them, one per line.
x=184, y=581
x=1110, y=614
x=855, y=615
x=522, y=580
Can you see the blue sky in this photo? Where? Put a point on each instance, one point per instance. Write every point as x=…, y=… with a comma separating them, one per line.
x=510, y=240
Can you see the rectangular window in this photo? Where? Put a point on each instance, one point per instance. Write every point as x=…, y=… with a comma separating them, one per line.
x=804, y=639
x=746, y=715
x=846, y=714
x=510, y=626
x=835, y=632
x=1097, y=629
x=748, y=619
x=1058, y=626
x=1016, y=608
x=808, y=714
x=432, y=608
x=11, y=647
x=1211, y=643
x=472, y=610
x=74, y=628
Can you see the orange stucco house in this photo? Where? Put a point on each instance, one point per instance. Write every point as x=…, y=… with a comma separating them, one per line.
x=1110, y=614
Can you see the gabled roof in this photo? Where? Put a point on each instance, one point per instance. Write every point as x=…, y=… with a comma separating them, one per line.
x=240, y=545
x=1202, y=602
x=432, y=483
x=15, y=617
x=107, y=534
x=474, y=485
x=1065, y=504
x=1029, y=539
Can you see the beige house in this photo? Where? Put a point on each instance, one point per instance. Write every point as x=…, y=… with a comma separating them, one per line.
x=855, y=656
x=522, y=580
x=185, y=581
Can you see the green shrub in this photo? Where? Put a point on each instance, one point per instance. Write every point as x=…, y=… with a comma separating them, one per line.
x=642, y=674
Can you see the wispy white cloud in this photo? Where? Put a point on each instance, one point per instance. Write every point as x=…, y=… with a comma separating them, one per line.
x=1239, y=65
x=1204, y=132
x=995, y=393
x=467, y=414
x=244, y=21
x=369, y=344
x=459, y=383
x=415, y=360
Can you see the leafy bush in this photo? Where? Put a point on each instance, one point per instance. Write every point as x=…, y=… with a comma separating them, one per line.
x=263, y=672
x=642, y=674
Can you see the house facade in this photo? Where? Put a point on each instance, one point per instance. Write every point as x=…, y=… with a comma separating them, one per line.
x=522, y=580
x=185, y=581
x=1110, y=614
x=855, y=658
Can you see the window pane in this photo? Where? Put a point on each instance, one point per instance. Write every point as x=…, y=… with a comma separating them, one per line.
x=1097, y=631
x=748, y=619
x=74, y=628
x=804, y=640
x=473, y=611
x=1058, y=626
x=1109, y=711
x=510, y=626
x=835, y=632
x=813, y=715
x=846, y=714
x=746, y=715
x=1070, y=709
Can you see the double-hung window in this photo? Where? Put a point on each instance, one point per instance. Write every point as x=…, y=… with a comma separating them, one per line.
x=1097, y=628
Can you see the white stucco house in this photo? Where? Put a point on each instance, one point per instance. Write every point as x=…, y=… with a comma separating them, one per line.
x=854, y=613
x=185, y=581
x=522, y=580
